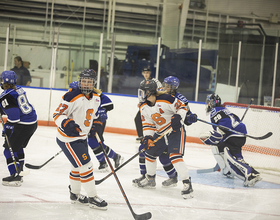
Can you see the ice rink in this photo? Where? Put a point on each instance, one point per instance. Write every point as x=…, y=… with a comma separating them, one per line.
x=44, y=193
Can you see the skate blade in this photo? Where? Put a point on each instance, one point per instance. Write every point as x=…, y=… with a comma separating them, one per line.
x=172, y=185
x=146, y=187
x=14, y=183
x=92, y=206
x=78, y=203
x=188, y=196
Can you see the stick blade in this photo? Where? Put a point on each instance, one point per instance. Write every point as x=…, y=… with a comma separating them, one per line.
x=144, y=216
x=209, y=170
x=30, y=166
x=264, y=137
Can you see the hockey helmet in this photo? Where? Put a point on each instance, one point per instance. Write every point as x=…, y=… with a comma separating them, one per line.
x=146, y=89
x=171, y=82
x=87, y=80
x=9, y=76
x=212, y=101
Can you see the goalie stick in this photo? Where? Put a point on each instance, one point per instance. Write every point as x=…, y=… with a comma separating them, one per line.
x=20, y=173
x=228, y=129
x=143, y=216
x=30, y=166
x=97, y=182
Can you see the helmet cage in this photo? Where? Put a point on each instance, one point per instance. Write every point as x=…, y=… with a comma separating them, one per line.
x=212, y=101
x=85, y=86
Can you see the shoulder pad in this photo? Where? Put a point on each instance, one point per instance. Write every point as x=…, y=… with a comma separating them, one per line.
x=166, y=97
x=71, y=94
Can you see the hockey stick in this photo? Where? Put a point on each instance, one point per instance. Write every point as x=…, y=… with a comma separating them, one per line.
x=216, y=168
x=143, y=216
x=247, y=109
x=20, y=173
x=209, y=170
x=97, y=182
x=228, y=129
x=30, y=166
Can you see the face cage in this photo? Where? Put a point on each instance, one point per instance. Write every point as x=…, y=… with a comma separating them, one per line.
x=86, y=89
x=141, y=95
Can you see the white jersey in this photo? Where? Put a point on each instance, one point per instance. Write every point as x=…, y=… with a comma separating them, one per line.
x=157, y=118
x=75, y=105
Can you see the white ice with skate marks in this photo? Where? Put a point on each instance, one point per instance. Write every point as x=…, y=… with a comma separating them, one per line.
x=44, y=192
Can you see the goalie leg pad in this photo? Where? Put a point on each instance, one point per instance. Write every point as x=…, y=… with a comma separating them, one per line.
x=238, y=167
x=219, y=157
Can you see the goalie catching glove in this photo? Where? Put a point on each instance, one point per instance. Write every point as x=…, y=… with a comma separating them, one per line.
x=147, y=142
x=70, y=128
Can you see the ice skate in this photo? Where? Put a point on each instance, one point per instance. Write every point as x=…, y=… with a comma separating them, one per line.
x=229, y=175
x=78, y=198
x=187, y=191
x=170, y=182
x=252, y=179
x=139, y=138
x=118, y=160
x=13, y=180
x=103, y=166
x=148, y=182
x=137, y=180
x=97, y=203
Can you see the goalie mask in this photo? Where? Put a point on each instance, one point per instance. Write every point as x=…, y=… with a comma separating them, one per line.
x=87, y=80
x=146, y=89
x=212, y=101
x=171, y=84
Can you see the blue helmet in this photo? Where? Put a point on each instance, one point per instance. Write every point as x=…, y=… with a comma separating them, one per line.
x=74, y=85
x=9, y=76
x=212, y=101
x=173, y=82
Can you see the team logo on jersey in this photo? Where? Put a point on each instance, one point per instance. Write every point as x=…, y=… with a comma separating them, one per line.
x=158, y=105
x=97, y=100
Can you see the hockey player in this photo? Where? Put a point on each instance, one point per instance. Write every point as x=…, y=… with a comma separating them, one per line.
x=20, y=126
x=159, y=112
x=170, y=85
x=146, y=72
x=226, y=145
x=76, y=117
x=106, y=105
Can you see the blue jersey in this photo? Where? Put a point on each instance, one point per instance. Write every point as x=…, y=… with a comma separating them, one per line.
x=181, y=98
x=16, y=106
x=222, y=116
x=106, y=103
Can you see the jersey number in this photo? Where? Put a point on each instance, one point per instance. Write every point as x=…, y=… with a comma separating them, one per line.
x=23, y=104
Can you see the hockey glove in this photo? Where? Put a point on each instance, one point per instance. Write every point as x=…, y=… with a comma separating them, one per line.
x=96, y=128
x=8, y=130
x=70, y=128
x=102, y=115
x=190, y=118
x=176, y=122
x=147, y=142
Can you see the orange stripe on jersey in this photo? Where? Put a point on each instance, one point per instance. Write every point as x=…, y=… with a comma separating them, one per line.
x=148, y=124
x=149, y=129
x=168, y=125
x=86, y=173
x=73, y=154
x=77, y=97
x=74, y=172
x=74, y=178
x=152, y=161
x=165, y=101
x=177, y=160
x=87, y=180
x=182, y=141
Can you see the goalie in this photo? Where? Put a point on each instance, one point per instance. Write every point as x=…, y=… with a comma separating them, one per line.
x=226, y=145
